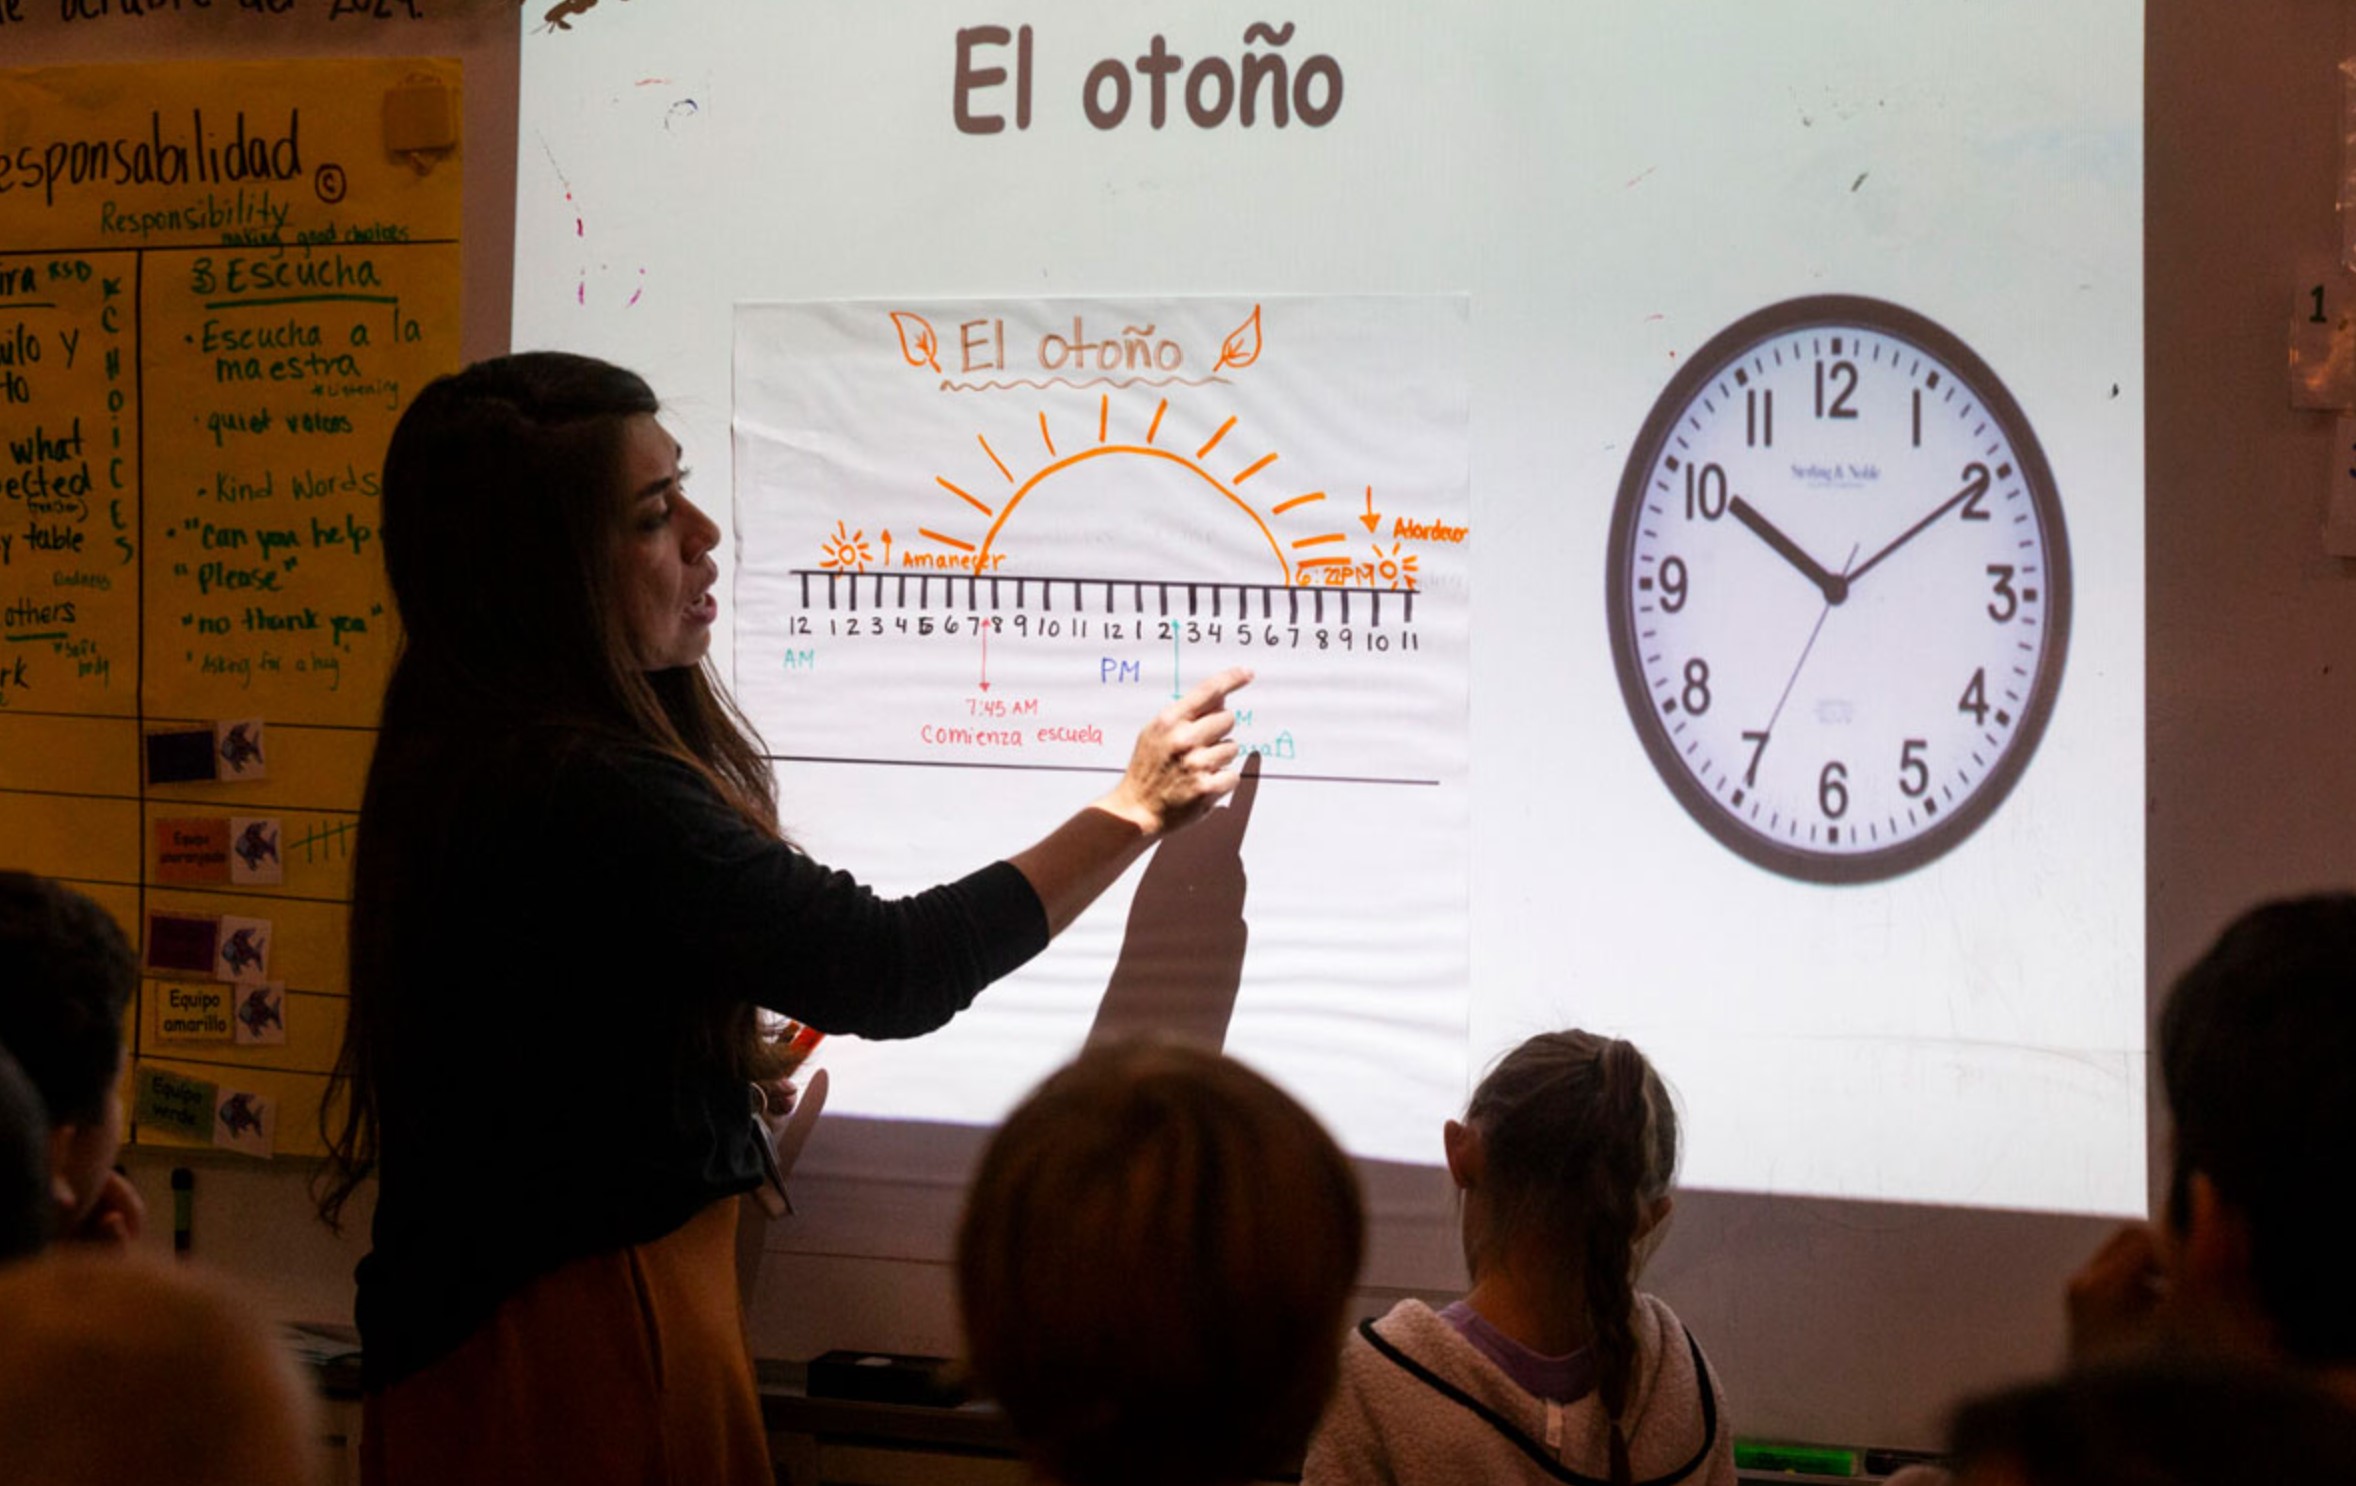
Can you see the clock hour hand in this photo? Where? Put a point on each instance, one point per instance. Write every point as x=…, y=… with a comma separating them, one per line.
x=1833, y=586
x=1908, y=535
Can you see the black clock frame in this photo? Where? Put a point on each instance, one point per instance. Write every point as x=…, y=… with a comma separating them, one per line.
x=1713, y=362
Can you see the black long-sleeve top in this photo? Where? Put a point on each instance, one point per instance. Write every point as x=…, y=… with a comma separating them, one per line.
x=557, y=953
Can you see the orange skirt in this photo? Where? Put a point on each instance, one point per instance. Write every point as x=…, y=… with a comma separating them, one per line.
x=622, y=1369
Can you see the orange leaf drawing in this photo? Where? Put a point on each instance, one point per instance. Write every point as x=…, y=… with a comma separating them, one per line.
x=1243, y=344
x=918, y=345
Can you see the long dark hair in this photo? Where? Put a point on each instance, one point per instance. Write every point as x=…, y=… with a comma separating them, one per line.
x=503, y=509
x=1580, y=1139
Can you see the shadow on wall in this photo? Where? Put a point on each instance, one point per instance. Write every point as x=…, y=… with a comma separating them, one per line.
x=1181, y=962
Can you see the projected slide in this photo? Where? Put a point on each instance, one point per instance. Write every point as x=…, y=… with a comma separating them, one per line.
x=1726, y=428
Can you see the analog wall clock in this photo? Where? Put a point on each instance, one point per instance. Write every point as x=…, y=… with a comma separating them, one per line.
x=1839, y=589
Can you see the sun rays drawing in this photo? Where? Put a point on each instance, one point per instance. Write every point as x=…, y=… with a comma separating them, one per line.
x=1230, y=474
x=1194, y=461
x=846, y=551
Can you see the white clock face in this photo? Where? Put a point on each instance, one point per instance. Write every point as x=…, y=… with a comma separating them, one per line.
x=1839, y=589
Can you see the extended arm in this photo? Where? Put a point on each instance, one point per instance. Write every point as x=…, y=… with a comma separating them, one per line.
x=738, y=914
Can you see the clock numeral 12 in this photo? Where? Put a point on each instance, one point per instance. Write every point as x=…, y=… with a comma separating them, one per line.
x=1844, y=373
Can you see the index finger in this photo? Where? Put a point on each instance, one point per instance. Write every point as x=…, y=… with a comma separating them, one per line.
x=1210, y=694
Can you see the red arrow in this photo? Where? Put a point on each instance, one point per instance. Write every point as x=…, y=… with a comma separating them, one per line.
x=985, y=655
x=1374, y=522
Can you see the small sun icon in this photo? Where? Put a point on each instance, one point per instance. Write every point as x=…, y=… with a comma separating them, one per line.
x=847, y=550
x=1394, y=568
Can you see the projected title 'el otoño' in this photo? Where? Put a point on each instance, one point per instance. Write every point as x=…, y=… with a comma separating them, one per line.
x=1262, y=87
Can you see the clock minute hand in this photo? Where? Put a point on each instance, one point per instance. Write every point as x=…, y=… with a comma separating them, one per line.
x=1833, y=586
x=1908, y=535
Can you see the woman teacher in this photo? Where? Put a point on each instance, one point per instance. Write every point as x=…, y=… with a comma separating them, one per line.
x=570, y=897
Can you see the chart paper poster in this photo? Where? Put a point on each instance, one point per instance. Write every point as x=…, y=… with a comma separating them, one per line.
x=981, y=542
x=220, y=283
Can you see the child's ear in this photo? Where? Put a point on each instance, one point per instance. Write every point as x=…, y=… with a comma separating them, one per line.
x=1654, y=1215
x=61, y=1165
x=1465, y=1155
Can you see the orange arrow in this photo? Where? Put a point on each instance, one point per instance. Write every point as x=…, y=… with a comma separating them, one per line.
x=887, y=536
x=1373, y=520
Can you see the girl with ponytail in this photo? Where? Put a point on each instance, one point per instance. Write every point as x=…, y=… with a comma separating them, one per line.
x=1554, y=1367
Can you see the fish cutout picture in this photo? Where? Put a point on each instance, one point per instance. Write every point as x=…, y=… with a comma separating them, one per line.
x=261, y=1015
x=254, y=859
x=242, y=954
x=239, y=746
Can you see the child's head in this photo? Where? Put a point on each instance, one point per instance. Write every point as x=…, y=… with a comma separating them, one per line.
x=1565, y=1156
x=66, y=978
x=1577, y=1140
x=114, y=1369
x=2256, y=1044
x=1153, y=1266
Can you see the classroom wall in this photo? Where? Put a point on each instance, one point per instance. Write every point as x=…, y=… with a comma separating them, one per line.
x=253, y=1217
x=1840, y=1321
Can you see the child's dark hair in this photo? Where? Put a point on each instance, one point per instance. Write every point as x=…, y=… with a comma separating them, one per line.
x=1153, y=1265
x=66, y=978
x=1579, y=1139
x=2255, y=1047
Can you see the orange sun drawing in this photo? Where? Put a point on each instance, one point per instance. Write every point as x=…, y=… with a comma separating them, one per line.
x=1394, y=568
x=846, y=551
x=1240, y=479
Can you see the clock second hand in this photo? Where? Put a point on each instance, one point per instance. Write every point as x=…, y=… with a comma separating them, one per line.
x=1751, y=775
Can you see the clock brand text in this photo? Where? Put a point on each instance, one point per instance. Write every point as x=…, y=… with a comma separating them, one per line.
x=1839, y=475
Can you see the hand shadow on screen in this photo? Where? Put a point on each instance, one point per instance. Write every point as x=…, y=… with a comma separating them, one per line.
x=1181, y=961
